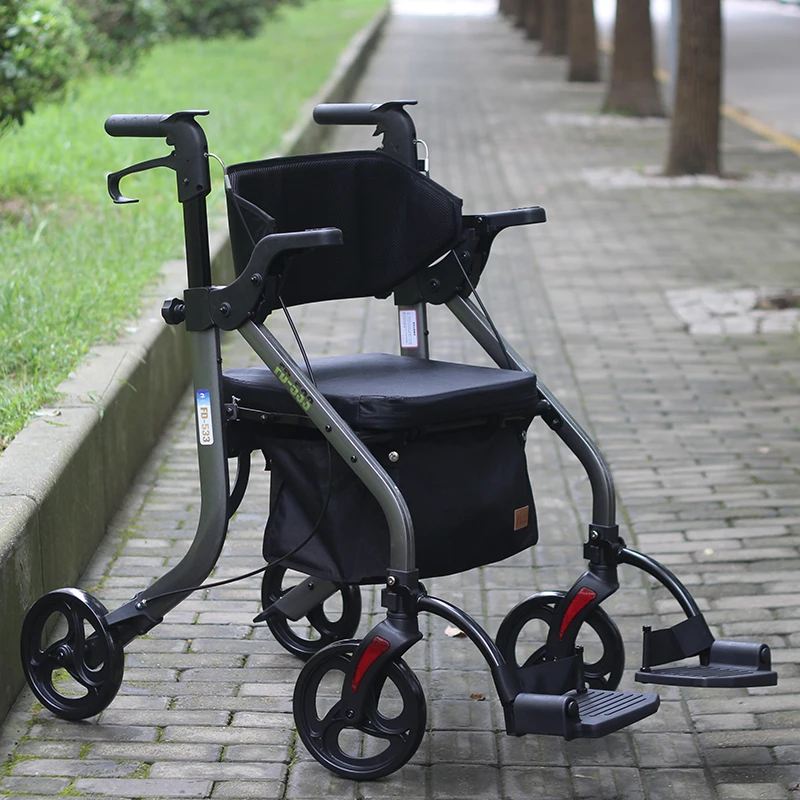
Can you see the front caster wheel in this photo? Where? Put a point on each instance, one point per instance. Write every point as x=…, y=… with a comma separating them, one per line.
x=326, y=628
x=603, y=647
x=79, y=674
x=378, y=744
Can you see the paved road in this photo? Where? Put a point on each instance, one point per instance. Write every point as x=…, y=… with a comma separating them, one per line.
x=702, y=431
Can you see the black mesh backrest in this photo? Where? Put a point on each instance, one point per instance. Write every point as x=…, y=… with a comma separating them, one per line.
x=394, y=220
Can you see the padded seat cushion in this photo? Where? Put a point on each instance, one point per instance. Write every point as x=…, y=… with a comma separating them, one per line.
x=384, y=392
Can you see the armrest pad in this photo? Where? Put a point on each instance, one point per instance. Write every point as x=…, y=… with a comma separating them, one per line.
x=498, y=220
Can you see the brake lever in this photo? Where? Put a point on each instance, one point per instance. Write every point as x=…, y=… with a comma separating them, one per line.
x=114, y=178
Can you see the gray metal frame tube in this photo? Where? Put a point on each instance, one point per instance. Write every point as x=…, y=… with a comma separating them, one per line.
x=212, y=526
x=346, y=443
x=570, y=432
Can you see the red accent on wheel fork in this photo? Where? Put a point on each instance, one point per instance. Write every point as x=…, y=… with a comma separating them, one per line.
x=377, y=647
x=577, y=604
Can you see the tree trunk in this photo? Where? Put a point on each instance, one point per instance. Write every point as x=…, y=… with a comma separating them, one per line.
x=533, y=18
x=695, y=132
x=633, y=89
x=518, y=12
x=582, y=42
x=506, y=6
x=554, y=28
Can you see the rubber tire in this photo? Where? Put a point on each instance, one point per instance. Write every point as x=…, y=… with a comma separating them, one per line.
x=97, y=662
x=404, y=732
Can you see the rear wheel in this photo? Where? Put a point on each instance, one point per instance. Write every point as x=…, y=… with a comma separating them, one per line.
x=335, y=619
x=522, y=635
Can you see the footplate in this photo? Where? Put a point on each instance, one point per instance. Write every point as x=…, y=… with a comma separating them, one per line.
x=730, y=665
x=588, y=714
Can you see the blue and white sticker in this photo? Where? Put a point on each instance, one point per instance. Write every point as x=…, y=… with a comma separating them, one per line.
x=205, y=429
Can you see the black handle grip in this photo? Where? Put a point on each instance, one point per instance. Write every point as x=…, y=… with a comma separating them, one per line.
x=142, y=125
x=346, y=113
x=189, y=158
x=391, y=120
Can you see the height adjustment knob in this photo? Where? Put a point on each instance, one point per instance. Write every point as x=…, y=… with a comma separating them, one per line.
x=173, y=311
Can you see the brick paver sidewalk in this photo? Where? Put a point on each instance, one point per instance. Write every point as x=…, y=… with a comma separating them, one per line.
x=701, y=430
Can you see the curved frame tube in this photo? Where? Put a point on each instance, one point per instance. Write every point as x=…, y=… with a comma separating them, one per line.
x=477, y=635
x=212, y=526
x=346, y=444
x=664, y=576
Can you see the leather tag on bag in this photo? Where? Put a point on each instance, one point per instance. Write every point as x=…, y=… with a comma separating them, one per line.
x=521, y=518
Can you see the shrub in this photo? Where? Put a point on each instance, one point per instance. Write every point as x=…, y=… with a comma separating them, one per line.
x=117, y=32
x=211, y=18
x=40, y=49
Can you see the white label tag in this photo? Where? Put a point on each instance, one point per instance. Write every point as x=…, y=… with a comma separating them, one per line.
x=205, y=429
x=409, y=336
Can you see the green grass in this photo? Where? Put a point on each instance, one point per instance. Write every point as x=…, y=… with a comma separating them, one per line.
x=73, y=265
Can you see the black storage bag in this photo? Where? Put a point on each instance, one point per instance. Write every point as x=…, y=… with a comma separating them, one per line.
x=468, y=492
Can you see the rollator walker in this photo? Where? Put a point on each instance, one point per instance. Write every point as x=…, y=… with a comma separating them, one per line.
x=385, y=468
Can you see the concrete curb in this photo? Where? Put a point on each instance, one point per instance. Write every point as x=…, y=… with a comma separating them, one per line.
x=64, y=476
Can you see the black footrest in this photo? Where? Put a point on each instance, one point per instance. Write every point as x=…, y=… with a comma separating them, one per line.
x=719, y=675
x=603, y=712
x=731, y=665
x=581, y=715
